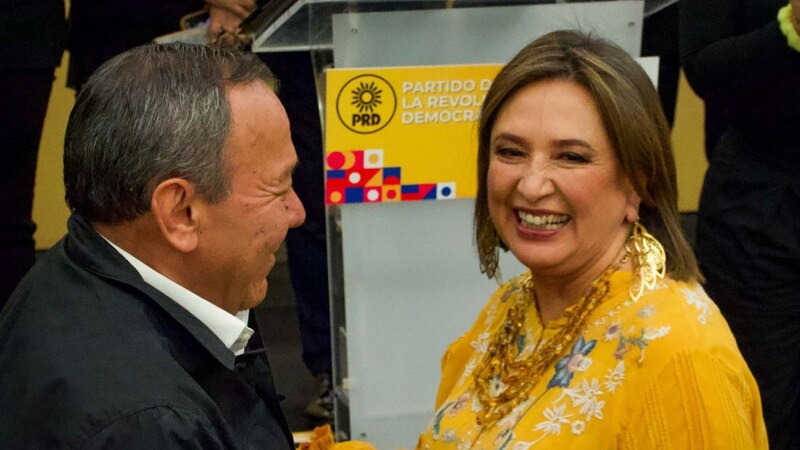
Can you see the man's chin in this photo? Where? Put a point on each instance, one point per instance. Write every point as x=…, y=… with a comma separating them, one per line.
x=255, y=296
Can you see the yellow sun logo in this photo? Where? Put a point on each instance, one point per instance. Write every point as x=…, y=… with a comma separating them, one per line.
x=366, y=97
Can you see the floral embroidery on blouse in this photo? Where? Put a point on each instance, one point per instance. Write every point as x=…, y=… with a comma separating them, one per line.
x=490, y=314
x=503, y=439
x=615, y=377
x=646, y=334
x=482, y=344
x=646, y=312
x=516, y=286
x=555, y=418
x=576, y=361
x=585, y=396
x=612, y=331
x=450, y=409
x=698, y=298
x=583, y=382
x=578, y=426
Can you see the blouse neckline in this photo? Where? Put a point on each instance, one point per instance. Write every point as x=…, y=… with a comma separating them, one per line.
x=619, y=281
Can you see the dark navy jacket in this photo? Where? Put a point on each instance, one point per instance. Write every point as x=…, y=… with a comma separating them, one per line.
x=93, y=357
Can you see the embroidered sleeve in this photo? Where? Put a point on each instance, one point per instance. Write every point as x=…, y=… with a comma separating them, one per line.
x=696, y=402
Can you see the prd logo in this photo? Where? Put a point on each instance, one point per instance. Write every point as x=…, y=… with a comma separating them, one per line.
x=366, y=104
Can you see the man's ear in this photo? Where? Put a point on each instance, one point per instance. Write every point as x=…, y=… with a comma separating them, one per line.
x=171, y=206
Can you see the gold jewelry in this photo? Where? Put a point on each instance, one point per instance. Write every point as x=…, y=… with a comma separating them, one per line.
x=489, y=243
x=649, y=260
x=502, y=382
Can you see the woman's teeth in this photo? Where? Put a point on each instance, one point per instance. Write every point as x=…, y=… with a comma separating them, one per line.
x=542, y=222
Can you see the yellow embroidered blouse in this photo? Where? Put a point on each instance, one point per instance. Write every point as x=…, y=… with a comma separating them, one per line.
x=660, y=373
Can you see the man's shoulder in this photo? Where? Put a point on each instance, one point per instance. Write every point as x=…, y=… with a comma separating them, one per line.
x=161, y=424
x=75, y=384
x=157, y=426
x=86, y=352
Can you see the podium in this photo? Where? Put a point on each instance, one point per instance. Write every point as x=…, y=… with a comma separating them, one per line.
x=404, y=276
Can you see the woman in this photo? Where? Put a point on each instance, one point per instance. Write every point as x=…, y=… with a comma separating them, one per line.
x=608, y=341
x=743, y=58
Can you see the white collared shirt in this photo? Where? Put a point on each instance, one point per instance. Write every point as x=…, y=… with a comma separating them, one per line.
x=231, y=330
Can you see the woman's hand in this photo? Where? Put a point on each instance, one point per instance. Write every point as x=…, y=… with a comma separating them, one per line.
x=795, y=14
x=239, y=8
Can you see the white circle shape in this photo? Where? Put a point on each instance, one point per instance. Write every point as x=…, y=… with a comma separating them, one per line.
x=355, y=177
x=373, y=195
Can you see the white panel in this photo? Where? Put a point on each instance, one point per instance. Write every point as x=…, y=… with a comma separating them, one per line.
x=650, y=66
x=412, y=285
x=474, y=35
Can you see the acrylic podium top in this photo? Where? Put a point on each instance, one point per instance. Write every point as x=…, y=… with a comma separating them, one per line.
x=289, y=25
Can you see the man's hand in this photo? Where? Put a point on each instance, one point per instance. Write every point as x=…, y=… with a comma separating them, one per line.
x=239, y=8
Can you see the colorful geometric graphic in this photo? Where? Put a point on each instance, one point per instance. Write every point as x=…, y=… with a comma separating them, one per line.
x=358, y=176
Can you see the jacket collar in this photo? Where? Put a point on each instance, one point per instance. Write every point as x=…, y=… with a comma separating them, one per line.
x=90, y=251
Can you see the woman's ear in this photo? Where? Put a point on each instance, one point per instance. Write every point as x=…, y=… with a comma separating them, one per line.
x=172, y=207
x=632, y=198
x=632, y=205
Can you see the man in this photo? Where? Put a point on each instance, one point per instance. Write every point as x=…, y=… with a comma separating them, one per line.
x=177, y=165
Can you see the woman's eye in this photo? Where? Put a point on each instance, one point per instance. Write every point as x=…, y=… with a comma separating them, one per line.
x=573, y=157
x=508, y=152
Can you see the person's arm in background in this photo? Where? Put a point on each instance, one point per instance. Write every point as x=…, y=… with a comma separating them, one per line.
x=737, y=59
x=239, y=8
x=721, y=60
x=226, y=15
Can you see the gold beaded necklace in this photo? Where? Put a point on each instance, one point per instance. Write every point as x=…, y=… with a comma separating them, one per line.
x=502, y=381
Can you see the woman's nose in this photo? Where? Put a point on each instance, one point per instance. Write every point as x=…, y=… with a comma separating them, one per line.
x=536, y=182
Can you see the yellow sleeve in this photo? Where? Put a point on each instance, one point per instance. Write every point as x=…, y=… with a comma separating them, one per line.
x=696, y=402
x=353, y=445
x=454, y=361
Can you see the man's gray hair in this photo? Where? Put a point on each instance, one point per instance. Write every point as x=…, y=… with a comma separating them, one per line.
x=153, y=113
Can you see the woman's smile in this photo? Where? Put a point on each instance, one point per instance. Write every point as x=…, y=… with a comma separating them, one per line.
x=541, y=221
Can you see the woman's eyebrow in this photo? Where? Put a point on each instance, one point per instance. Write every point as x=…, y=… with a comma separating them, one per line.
x=505, y=136
x=573, y=143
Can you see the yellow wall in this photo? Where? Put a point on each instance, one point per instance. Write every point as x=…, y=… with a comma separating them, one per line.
x=49, y=209
x=50, y=212
x=687, y=139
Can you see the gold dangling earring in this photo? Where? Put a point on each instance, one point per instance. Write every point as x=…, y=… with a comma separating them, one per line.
x=496, y=256
x=489, y=247
x=649, y=260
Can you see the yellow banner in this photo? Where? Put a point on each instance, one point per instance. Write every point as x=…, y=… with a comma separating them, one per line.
x=404, y=133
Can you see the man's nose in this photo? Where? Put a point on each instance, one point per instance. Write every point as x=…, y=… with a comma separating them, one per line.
x=297, y=214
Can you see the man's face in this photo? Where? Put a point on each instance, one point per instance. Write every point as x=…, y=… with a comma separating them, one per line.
x=240, y=235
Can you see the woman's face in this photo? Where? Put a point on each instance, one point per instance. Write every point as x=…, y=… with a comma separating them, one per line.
x=556, y=193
